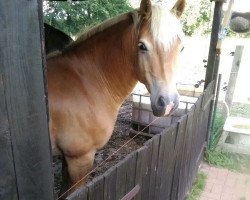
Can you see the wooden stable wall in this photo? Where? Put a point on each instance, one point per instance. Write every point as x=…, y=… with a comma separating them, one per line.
x=164, y=168
x=25, y=160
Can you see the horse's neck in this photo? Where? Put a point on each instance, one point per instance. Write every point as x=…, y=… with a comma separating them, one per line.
x=109, y=56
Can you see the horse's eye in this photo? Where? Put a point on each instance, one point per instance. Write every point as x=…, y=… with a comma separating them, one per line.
x=142, y=46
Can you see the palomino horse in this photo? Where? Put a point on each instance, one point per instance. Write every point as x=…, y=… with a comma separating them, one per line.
x=89, y=80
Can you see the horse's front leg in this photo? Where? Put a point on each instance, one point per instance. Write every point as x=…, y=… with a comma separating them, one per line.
x=78, y=168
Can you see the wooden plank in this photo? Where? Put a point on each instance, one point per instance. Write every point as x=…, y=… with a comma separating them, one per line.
x=110, y=184
x=162, y=144
x=141, y=170
x=154, y=161
x=179, y=148
x=211, y=65
x=191, y=128
x=195, y=145
x=146, y=177
x=233, y=75
x=21, y=67
x=8, y=188
x=186, y=157
x=121, y=179
x=197, y=139
x=96, y=188
x=206, y=113
x=80, y=193
x=130, y=173
x=168, y=163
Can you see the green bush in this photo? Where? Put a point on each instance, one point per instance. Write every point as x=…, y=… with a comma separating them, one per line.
x=72, y=17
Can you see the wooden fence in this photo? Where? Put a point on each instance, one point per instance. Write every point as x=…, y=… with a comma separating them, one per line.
x=164, y=168
x=25, y=157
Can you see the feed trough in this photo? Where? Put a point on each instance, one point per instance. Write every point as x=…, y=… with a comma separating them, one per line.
x=142, y=114
x=236, y=135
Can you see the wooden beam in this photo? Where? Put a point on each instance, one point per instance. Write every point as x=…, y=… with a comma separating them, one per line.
x=23, y=92
x=212, y=64
x=8, y=188
x=233, y=75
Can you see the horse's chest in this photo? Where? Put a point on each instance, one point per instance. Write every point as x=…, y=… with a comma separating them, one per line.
x=102, y=130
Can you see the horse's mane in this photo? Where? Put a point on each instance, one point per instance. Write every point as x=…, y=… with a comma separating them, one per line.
x=156, y=27
x=87, y=33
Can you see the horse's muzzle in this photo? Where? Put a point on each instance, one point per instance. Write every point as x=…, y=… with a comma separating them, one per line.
x=165, y=105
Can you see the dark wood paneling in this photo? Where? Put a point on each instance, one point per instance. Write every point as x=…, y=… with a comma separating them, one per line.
x=146, y=178
x=163, y=141
x=110, y=184
x=141, y=170
x=168, y=163
x=130, y=173
x=8, y=189
x=80, y=193
x=96, y=185
x=121, y=179
x=178, y=153
x=22, y=71
x=184, y=174
x=153, y=166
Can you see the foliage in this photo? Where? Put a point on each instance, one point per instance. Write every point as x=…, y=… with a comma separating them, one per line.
x=240, y=110
x=218, y=122
x=197, y=187
x=228, y=160
x=231, y=33
x=72, y=17
x=217, y=128
x=196, y=17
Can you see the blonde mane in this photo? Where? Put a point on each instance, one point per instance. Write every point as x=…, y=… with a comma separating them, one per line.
x=166, y=26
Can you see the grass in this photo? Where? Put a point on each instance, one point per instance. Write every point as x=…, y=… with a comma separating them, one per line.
x=232, y=161
x=217, y=129
x=197, y=187
x=237, y=110
x=240, y=110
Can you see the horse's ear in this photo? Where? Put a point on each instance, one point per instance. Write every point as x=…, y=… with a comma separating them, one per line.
x=178, y=7
x=145, y=8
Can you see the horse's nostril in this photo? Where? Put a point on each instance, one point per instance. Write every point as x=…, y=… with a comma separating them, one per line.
x=161, y=102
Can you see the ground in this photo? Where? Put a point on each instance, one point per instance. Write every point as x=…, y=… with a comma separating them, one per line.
x=223, y=184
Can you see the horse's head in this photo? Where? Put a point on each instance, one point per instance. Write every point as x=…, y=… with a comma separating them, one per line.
x=159, y=43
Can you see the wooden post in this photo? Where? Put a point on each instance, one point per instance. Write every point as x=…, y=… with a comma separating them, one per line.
x=25, y=162
x=233, y=75
x=213, y=60
x=213, y=57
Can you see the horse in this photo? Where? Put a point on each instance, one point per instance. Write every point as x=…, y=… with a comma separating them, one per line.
x=55, y=40
x=240, y=22
x=89, y=80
